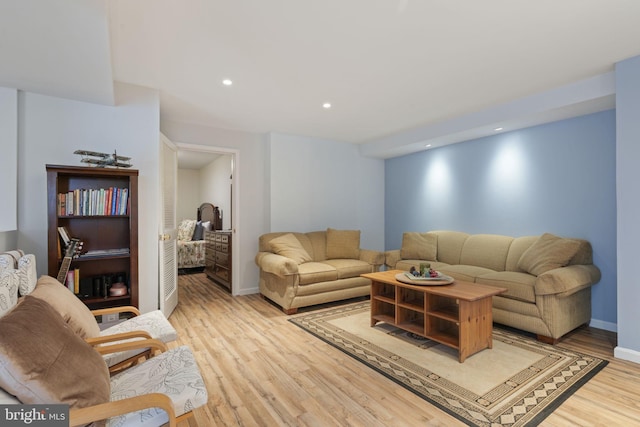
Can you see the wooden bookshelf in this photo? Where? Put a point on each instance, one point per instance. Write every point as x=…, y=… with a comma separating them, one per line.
x=110, y=237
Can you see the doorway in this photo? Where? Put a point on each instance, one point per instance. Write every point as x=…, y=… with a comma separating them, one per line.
x=211, y=162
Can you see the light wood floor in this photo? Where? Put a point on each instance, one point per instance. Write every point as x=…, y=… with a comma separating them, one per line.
x=261, y=370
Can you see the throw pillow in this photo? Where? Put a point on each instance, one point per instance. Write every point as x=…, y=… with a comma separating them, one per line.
x=73, y=311
x=10, y=259
x=43, y=362
x=289, y=246
x=547, y=253
x=343, y=244
x=198, y=233
x=185, y=229
x=27, y=273
x=8, y=290
x=422, y=246
x=9, y=282
x=6, y=262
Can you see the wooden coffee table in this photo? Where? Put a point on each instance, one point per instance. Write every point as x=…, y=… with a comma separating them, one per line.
x=458, y=315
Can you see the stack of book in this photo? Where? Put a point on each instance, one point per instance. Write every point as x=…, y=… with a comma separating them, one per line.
x=103, y=201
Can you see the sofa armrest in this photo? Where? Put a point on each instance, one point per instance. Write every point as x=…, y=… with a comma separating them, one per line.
x=372, y=257
x=276, y=264
x=392, y=257
x=567, y=280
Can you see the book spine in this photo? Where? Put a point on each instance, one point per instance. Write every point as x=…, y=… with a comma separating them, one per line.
x=76, y=281
x=125, y=199
x=70, y=280
x=69, y=203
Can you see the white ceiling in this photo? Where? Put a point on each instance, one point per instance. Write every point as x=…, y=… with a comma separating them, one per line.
x=399, y=73
x=195, y=160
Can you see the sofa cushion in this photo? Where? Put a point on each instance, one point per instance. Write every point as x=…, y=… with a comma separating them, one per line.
x=343, y=244
x=42, y=361
x=547, y=253
x=289, y=246
x=312, y=272
x=450, y=245
x=349, y=267
x=486, y=250
x=520, y=286
x=465, y=272
x=422, y=246
x=72, y=310
x=517, y=248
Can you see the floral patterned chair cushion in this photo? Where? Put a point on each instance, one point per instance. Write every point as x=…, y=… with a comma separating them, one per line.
x=153, y=322
x=174, y=373
x=9, y=281
x=27, y=273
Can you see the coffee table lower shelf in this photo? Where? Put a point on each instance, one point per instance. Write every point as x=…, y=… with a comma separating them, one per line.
x=457, y=315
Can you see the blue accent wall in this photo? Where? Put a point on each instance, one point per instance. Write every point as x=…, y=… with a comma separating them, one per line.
x=558, y=178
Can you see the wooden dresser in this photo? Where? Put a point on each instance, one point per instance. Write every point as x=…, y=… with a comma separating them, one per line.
x=218, y=257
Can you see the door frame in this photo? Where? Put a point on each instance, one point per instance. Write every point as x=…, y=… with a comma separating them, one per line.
x=235, y=197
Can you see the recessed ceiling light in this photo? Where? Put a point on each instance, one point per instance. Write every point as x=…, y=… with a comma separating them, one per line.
x=428, y=145
x=326, y=105
x=227, y=82
x=497, y=129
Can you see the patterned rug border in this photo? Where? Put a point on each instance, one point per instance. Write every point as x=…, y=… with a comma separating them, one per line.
x=513, y=338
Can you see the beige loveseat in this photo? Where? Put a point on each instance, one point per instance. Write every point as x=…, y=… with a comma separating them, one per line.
x=548, y=278
x=303, y=269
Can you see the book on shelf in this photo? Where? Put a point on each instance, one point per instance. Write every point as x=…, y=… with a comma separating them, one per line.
x=70, y=282
x=64, y=235
x=76, y=281
x=105, y=252
x=94, y=202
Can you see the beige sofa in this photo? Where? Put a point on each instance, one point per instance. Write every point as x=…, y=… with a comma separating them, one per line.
x=548, y=278
x=303, y=269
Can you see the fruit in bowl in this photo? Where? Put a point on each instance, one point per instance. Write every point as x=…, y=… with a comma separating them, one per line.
x=430, y=273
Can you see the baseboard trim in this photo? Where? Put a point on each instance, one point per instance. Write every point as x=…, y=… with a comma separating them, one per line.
x=607, y=326
x=249, y=291
x=626, y=354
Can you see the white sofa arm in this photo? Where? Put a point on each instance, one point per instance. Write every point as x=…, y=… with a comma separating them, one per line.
x=276, y=264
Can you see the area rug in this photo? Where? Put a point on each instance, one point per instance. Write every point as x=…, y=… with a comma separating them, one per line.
x=518, y=382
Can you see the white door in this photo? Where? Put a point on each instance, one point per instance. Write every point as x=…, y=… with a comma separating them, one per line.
x=168, y=272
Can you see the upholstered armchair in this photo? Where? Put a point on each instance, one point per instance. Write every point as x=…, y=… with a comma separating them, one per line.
x=83, y=322
x=42, y=361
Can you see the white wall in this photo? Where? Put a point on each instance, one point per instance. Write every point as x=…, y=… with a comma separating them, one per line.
x=215, y=186
x=8, y=240
x=8, y=158
x=628, y=206
x=250, y=220
x=50, y=129
x=316, y=184
x=188, y=199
